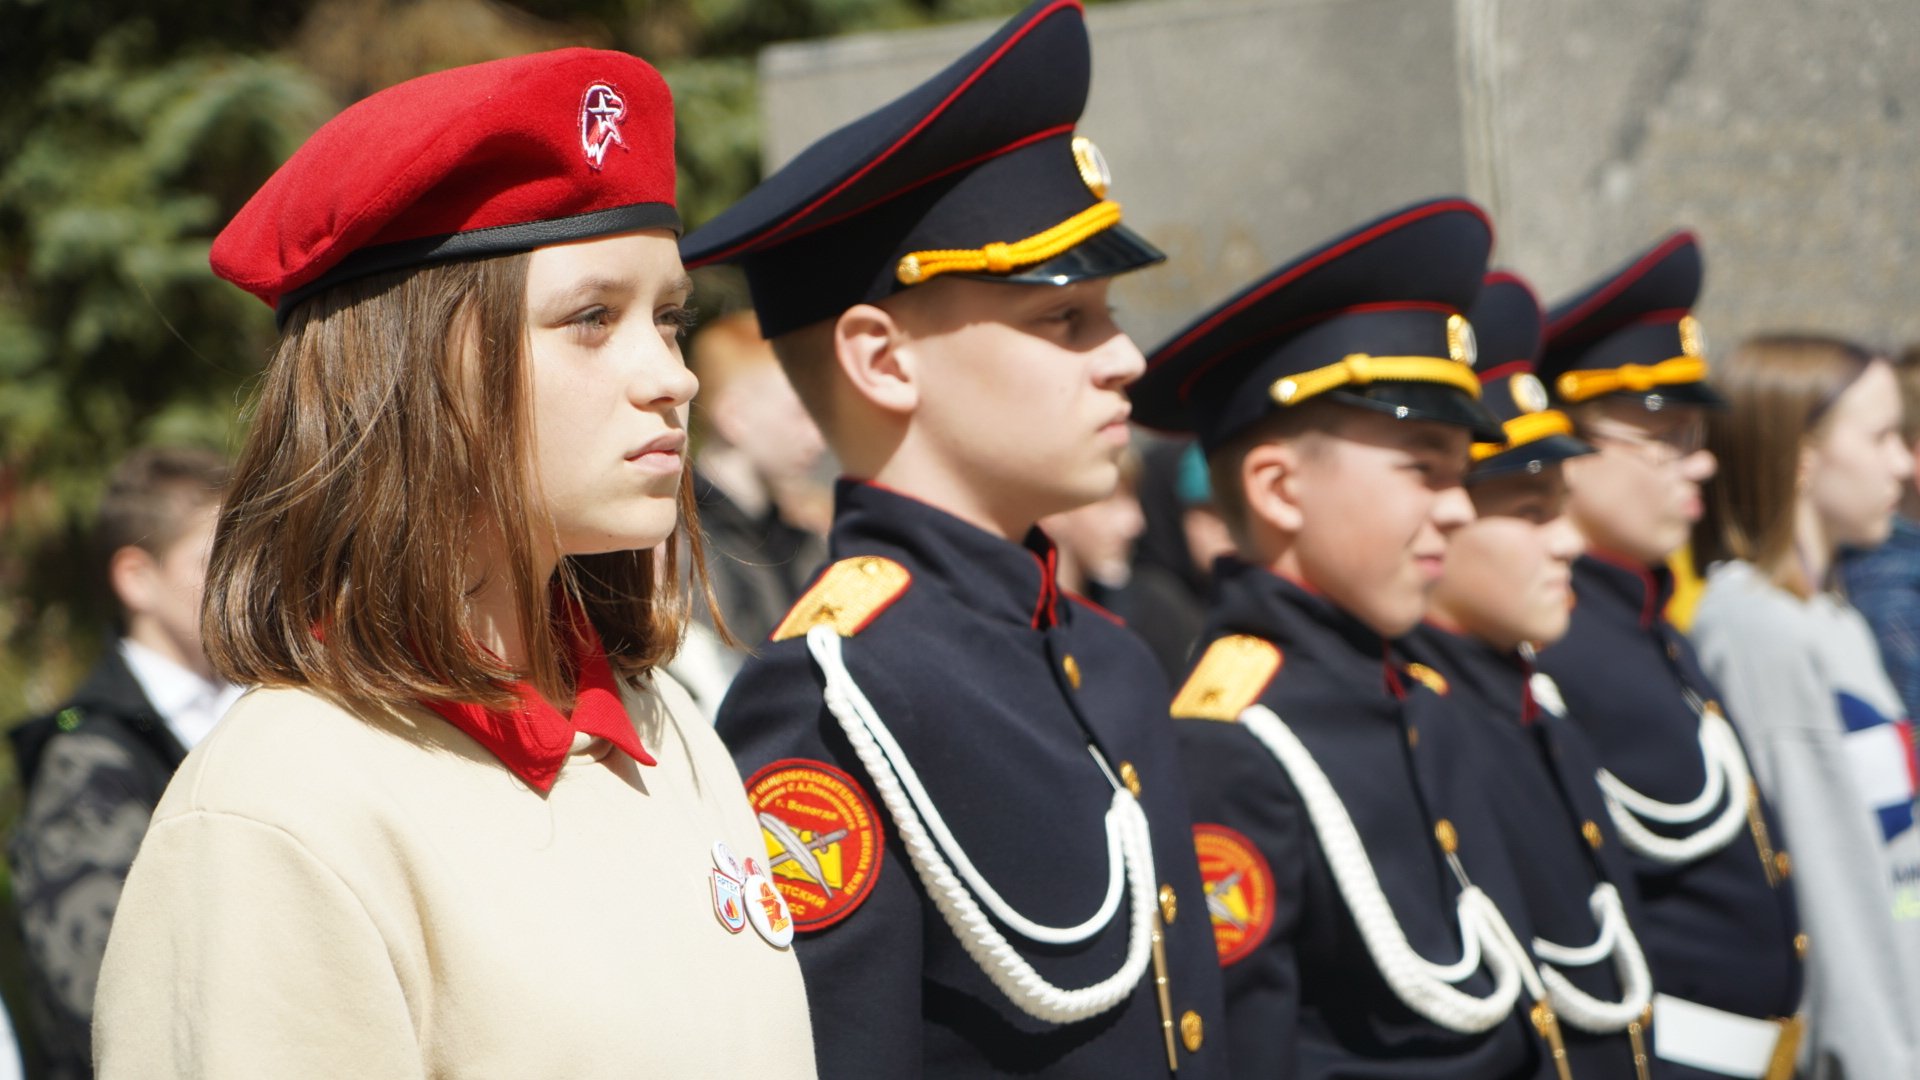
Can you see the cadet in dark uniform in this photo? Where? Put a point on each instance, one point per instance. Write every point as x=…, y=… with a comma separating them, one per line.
x=1354, y=875
x=970, y=794
x=1506, y=589
x=1628, y=363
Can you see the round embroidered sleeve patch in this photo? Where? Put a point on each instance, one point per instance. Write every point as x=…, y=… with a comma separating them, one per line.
x=824, y=843
x=1239, y=888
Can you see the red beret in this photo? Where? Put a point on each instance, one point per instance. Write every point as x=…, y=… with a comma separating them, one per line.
x=488, y=159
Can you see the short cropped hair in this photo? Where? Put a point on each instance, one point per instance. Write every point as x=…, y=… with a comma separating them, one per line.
x=154, y=494
x=1308, y=420
x=1906, y=370
x=391, y=423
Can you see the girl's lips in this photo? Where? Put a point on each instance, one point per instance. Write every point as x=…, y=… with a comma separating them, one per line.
x=661, y=454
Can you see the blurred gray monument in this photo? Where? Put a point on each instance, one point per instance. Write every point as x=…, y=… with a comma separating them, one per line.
x=1786, y=132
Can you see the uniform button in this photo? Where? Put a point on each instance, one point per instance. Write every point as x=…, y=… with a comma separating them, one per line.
x=1192, y=1031
x=1130, y=776
x=1072, y=668
x=1591, y=830
x=1444, y=832
x=1673, y=651
x=1169, y=904
x=1413, y=738
x=1782, y=865
x=1800, y=943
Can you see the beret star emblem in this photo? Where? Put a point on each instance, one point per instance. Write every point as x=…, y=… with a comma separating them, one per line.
x=601, y=110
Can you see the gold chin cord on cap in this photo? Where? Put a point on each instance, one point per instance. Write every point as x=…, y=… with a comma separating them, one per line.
x=998, y=258
x=1521, y=430
x=1359, y=369
x=1637, y=378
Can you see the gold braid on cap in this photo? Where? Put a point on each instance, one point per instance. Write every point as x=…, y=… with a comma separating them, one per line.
x=1521, y=430
x=1359, y=369
x=998, y=258
x=1638, y=378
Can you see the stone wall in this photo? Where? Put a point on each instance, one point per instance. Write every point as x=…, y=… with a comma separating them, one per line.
x=1787, y=132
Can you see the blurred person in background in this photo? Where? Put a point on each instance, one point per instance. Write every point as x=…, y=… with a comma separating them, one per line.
x=754, y=473
x=1883, y=581
x=95, y=768
x=1173, y=562
x=1095, y=543
x=1812, y=458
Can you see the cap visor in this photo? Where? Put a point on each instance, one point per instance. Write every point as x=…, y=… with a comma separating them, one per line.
x=1104, y=254
x=1528, y=457
x=1426, y=401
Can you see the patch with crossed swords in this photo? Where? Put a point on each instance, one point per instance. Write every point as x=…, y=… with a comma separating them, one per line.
x=823, y=838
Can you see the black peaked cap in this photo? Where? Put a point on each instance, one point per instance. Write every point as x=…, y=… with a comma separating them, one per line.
x=1626, y=323
x=1395, y=287
x=984, y=153
x=1511, y=328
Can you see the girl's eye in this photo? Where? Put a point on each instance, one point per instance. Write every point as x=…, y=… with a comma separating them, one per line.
x=679, y=318
x=592, y=321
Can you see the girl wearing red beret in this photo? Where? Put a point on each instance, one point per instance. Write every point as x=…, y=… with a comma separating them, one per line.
x=465, y=826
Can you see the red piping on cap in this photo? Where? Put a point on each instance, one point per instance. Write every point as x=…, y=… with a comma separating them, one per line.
x=1045, y=13
x=1317, y=261
x=1627, y=277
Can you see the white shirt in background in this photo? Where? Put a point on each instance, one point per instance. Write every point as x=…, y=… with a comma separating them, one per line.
x=188, y=703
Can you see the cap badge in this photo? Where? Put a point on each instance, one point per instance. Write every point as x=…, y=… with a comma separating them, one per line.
x=1461, y=344
x=1693, y=340
x=1092, y=165
x=1528, y=392
x=601, y=110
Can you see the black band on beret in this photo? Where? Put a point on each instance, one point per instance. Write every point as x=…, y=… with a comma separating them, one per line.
x=499, y=240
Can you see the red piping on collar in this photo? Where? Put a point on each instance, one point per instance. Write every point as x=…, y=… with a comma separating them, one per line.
x=1395, y=685
x=1110, y=616
x=1042, y=16
x=1317, y=261
x=1626, y=277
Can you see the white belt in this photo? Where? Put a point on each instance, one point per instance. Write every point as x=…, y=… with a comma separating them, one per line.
x=1688, y=1033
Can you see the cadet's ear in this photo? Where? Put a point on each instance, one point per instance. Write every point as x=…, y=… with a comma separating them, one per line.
x=868, y=344
x=1269, y=474
x=133, y=573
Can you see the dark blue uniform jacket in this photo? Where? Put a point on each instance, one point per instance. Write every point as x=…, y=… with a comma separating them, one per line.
x=994, y=683
x=1308, y=1001
x=1716, y=931
x=1550, y=813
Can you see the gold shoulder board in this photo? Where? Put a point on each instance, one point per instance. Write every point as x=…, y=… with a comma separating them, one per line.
x=1229, y=678
x=847, y=597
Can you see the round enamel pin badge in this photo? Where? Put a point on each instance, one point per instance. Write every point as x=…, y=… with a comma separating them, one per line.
x=824, y=844
x=1239, y=890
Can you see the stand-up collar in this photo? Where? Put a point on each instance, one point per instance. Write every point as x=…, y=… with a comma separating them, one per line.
x=1253, y=600
x=1606, y=577
x=1479, y=670
x=995, y=576
x=532, y=738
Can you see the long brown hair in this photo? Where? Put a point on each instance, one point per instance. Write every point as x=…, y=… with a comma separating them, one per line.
x=1779, y=389
x=391, y=422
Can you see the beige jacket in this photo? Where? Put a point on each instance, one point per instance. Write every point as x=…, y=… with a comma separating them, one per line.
x=325, y=893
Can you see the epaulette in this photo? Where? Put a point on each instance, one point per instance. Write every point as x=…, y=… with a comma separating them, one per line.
x=847, y=597
x=1230, y=677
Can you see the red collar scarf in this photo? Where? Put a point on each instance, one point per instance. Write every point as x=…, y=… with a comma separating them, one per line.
x=533, y=738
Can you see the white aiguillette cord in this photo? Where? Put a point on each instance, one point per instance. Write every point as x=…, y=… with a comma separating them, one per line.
x=1615, y=940
x=1727, y=776
x=1426, y=988
x=953, y=882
